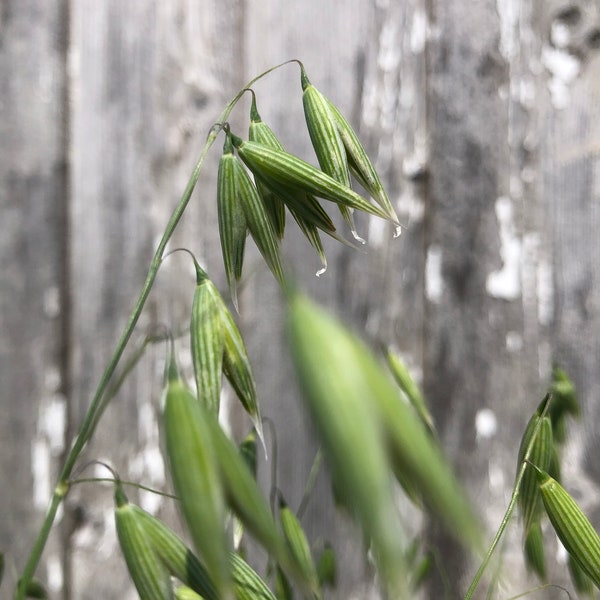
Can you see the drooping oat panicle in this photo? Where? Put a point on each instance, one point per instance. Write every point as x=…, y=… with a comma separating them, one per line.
x=533, y=549
x=540, y=456
x=193, y=464
x=331, y=365
x=298, y=544
x=232, y=220
x=326, y=141
x=291, y=171
x=207, y=339
x=573, y=528
x=150, y=576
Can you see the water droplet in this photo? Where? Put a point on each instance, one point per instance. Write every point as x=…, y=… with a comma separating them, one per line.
x=321, y=271
x=357, y=237
x=397, y=231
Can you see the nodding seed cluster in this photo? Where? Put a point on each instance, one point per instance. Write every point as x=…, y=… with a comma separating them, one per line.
x=541, y=493
x=154, y=553
x=282, y=180
x=368, y=432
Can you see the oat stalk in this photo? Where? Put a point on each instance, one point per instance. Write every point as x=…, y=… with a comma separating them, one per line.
x=97, y=404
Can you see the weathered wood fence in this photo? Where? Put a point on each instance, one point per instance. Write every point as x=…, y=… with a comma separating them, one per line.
x=484, y=118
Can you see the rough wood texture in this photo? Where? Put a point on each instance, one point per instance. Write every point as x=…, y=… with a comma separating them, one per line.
x=483, y=120
x=32, y=279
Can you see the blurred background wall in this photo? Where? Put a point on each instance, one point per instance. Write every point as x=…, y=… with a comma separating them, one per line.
x=482, y=118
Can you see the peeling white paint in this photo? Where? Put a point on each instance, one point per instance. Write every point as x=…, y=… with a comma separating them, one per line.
x=52, y=378
x=559, y=34
x=51, y=302
x=53, y=421
x=545, y=292
x=514, y=341
x=40, y=470
x=496, y=477
x=411, y=205
x=48, y=442
x=486, y=424
x=390, y=53
x=434, y=285
x=564, y=69
x=147, y=422
x=418, y=32
x=506, y=283
x=508, y=12
x=54, y=573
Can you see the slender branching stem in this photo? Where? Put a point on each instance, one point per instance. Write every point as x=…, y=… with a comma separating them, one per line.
x=97, y=404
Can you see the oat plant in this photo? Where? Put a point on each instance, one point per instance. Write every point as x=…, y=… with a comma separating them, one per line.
x=372, y=421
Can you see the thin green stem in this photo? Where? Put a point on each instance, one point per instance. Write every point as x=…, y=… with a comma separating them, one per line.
x=510, y=508
x=310, y=483
x=97, y=405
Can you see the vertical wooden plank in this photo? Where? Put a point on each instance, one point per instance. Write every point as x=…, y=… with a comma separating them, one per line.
x=32, y=204
x=571, y=143
x=340, y=45
x=483, y=371
x=147, y=81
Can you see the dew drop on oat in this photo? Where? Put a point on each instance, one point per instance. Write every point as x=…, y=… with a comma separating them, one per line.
x=357, y=237
x=397, y=231
x=321, y=271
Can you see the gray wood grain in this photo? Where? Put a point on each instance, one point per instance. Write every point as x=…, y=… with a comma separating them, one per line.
x=483, y=122
x=32, y=278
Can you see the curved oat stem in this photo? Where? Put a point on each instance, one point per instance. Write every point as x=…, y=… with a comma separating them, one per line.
x=97, y=404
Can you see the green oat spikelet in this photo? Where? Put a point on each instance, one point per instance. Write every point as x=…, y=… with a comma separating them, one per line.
x=298, y=544
x=326, y=141
x=306, y=210
x=183, y=564
x=148, y=573
x=232, y=220
x=248, y=584
x=260, y=132
x=541, y=456
x=207, y=340
x=583, y=584
x=182, y=592
x=572, y=527
x=410, y=388
x=178, y=559
x=360, y=165
x=245, y=499
x=327, y=567
x=533, y=549
x=291, y=171
x=192, y=459
x=330, y=367
x=218, y=347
